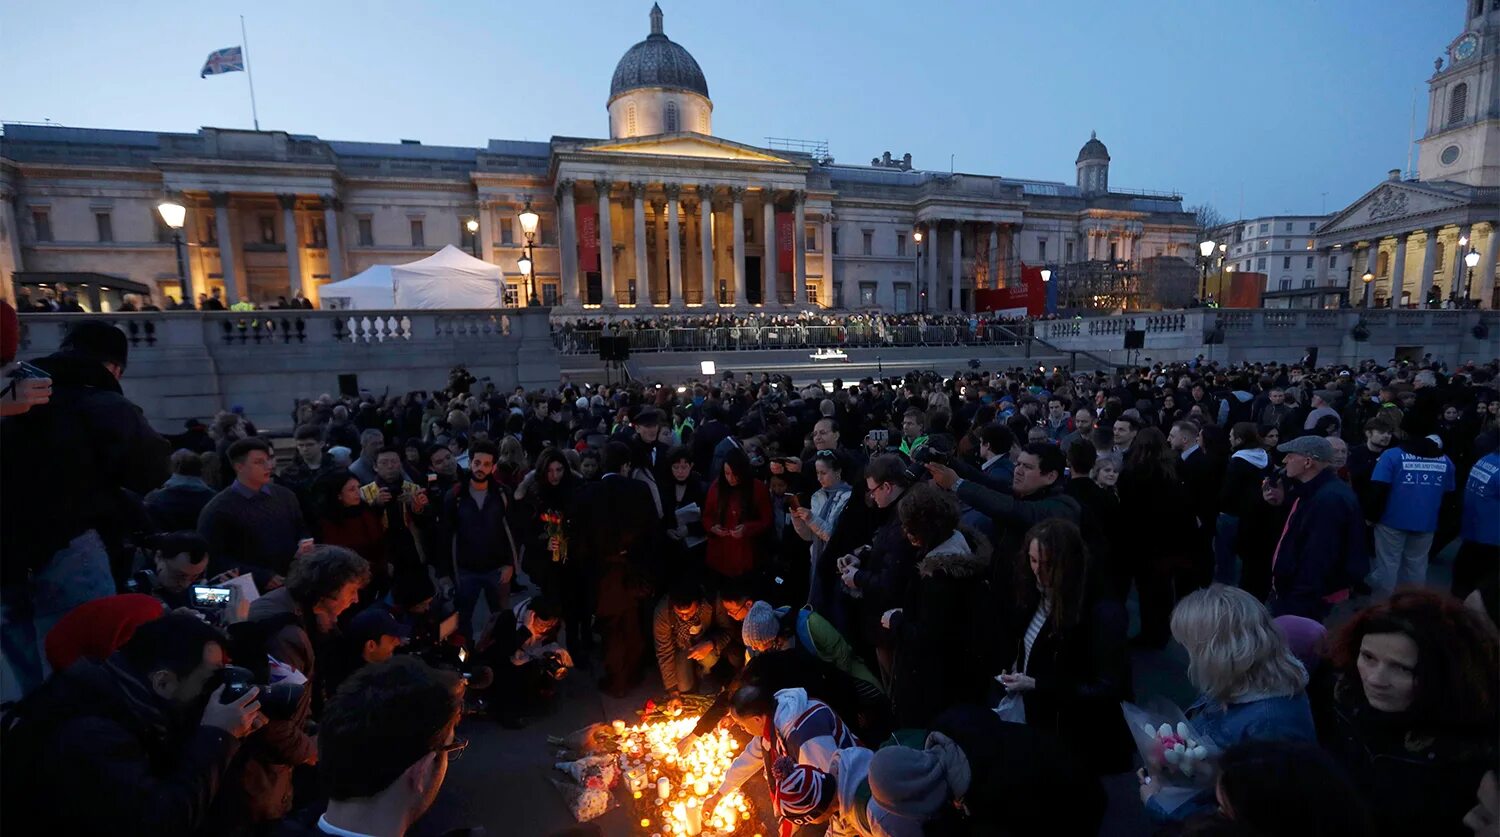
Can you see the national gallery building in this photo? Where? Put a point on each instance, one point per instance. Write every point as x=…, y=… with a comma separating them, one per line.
x=662, y=214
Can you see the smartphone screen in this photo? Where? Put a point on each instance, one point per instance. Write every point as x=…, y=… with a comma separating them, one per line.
x=210, y=596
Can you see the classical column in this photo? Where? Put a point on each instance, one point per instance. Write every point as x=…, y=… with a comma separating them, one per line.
x=674, y=246
x=570, y=281
x=738, y=194
x=992, y=267
x=658, y=255
x=293, y=244
x=799, y=249
x=932, y=264
x=706, y=244
x=642, y=283
x=1321, y=274
x=1398, y=271
x=1487, y=267
x=828, y=284
x=1429, y=264
x=954, y=300
x=331, y=208
x=223, y=229
x=769, y=294
x=607, y=295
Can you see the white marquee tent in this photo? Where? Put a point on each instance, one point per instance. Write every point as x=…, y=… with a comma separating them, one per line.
x=450, y=278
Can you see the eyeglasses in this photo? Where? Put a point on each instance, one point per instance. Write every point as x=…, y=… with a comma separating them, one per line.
x=455, y=750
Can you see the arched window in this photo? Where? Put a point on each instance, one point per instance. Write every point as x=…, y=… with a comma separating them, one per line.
x=1458, y=102
x=630, y=121
x=1441, y=252
x=671, y=117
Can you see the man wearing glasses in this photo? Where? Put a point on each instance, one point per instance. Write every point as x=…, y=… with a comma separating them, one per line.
x=384, y=745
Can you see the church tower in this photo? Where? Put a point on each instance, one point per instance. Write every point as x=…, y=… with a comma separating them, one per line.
x=1462, y=140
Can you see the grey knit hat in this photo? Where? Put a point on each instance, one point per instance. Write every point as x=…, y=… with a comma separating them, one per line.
x=918, y=783
x=761, y=626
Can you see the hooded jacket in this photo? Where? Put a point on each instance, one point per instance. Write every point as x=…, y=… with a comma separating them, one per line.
x=800, y=727
x=944, y=634
x=67, y=461
x=1242, y=479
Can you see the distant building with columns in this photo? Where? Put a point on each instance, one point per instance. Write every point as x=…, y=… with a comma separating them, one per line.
x=661, y=215
x=1411, y=236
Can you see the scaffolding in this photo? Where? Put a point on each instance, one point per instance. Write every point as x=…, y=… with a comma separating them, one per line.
x=817, y=149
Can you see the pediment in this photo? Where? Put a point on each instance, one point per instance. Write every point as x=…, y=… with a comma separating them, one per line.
x=1388, y=203
x=700, y=146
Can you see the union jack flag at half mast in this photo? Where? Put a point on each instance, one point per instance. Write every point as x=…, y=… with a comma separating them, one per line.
x=226, y=60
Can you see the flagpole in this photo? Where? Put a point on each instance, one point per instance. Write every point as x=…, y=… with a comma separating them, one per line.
x=255, y=117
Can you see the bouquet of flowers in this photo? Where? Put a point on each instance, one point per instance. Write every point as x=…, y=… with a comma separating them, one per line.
x=1177, y=757
x=587, y=793
x=557, y=541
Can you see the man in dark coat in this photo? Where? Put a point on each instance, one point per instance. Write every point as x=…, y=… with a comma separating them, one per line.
x=66, y=468
x=1201, y=481
x=617, y=534
x=1321, y=554
x=176, y=505
x=139, y=742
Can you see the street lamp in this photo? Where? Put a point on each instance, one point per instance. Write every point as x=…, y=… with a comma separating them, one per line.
x=529, y=221
x=916, y=235
x=1471, y=260
x=1206, y=250
x=1368, y=279
x=472, y=225
x=1046, y=274
x=174, y=214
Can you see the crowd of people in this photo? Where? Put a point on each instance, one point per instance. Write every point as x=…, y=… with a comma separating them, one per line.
x=728, y=330
x=913, y=594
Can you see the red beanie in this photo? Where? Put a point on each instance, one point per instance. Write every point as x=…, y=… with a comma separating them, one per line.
x=96, y=629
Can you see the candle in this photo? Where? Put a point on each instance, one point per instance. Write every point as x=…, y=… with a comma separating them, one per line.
x=700, y=787
x=619, y=727
x=694, y=818
x=663, y=788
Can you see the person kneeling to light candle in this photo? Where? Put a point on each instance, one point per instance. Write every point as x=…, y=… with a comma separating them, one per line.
x=784, y=724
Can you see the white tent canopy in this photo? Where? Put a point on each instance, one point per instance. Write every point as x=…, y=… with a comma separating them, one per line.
x=450, y=278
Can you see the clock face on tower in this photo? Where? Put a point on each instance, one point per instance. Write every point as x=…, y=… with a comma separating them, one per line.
x=1464, y=49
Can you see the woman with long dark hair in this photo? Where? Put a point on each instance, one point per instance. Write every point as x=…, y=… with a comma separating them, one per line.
x=547, y=498
x=1068, y=667
x=735, y=513
x=1153, y=542
x=685, y=489
x=344, y=519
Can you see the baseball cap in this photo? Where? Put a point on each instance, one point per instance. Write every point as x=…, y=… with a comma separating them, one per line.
x=374, y=623
x=1312, y=447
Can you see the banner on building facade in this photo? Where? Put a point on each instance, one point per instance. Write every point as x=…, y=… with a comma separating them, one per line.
x=785, y=241
x=588, y=237
x=1028, y=295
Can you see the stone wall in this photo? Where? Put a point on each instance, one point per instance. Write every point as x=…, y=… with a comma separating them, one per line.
x=192, y=364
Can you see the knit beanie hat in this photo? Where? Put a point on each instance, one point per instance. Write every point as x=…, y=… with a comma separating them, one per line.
x=917, y=783
x=761, y=626
x=802, y=791
x=96, y=629
x=97, y=340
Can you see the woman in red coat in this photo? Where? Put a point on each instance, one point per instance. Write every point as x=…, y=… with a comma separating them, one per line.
x=344, y=520
x=736, y=512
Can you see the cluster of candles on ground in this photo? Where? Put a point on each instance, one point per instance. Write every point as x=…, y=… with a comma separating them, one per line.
x=668, y=788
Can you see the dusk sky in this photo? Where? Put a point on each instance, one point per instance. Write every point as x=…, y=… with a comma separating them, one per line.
x=1257, y=108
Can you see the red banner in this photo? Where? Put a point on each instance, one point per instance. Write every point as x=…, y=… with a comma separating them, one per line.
x=588, y=236
x=1029, y=295
x=785, y=241
x=1244, y=290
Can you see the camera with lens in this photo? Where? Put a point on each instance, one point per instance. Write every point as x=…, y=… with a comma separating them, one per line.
x=552, y=664
x=916, y=471
x=277, y=700
x=142, y=581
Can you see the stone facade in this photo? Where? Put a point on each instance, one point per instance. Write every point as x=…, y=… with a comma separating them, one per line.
x=682, y=220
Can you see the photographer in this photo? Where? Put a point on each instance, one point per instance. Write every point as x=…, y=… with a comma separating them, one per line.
x=144, y=734
x=526, y=650
x=879, y=573
x=175, y=561
x=320, y=587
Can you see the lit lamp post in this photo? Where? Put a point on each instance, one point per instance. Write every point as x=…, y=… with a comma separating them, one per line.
x=1206, y=251
x=472, y=225
x=173, y=214
x=529, y=221
x=916, y=235
x=1369, y=280
x=1471, y=260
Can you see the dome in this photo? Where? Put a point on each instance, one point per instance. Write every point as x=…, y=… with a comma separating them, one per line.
x=657, y=62
x=1093, y=150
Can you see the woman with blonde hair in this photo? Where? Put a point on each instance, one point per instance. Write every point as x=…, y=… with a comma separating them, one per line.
x=1251, y=686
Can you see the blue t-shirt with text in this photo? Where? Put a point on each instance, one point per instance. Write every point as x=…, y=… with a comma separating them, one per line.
x=1482, y=502
x=1418, y=484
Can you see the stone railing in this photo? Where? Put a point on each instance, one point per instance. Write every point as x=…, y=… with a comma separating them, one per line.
x=190, y=364
x=1283, y=334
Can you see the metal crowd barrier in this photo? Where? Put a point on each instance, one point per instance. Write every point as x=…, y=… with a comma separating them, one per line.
x=795, y=336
